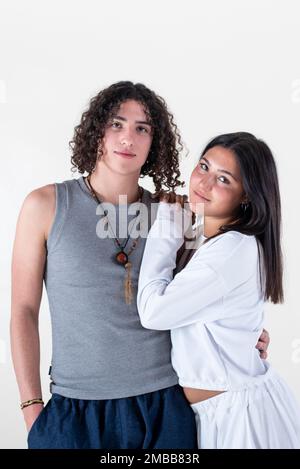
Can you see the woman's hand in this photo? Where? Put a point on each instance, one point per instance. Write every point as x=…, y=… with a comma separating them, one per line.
x=263, y=344
x=172, y=198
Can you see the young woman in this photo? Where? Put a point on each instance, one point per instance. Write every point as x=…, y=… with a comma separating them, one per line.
x=214, y=306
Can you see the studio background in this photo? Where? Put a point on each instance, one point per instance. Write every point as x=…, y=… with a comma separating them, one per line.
x=221, y=67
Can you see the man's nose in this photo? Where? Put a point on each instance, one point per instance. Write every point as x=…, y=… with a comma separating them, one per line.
x=127, y=138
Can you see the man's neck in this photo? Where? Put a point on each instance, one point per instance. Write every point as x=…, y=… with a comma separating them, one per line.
x=109, y=185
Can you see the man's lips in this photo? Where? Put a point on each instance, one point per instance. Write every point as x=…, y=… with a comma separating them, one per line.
x=201, y=196
x=125, y=154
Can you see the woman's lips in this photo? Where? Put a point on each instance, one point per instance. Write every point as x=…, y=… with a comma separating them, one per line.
x=124, y=154
x=201, y=196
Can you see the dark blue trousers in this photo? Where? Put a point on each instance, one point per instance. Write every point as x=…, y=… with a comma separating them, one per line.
x=158, y=420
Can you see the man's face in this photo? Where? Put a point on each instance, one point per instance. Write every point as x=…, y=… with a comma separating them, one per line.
x=127, y=139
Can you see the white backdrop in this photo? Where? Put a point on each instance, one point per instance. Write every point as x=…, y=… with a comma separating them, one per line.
x=221, y=66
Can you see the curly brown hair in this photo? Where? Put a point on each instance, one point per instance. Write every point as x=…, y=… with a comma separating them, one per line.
x=162, y=164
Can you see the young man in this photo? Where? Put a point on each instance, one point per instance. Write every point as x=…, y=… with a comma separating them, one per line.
x=112, y=382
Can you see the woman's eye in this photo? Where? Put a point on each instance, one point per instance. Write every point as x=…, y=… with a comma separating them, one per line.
x=203, y=166
x=224, y=179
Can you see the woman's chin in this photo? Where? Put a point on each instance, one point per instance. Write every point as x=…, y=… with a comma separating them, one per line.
x=198, y=208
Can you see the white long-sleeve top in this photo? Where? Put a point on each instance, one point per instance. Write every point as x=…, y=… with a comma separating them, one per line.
x=213, y=307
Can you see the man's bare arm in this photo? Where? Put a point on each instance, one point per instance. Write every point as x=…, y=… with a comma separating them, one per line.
x=28, y=263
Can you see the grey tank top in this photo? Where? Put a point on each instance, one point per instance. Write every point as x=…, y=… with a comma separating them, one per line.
x=99, y=348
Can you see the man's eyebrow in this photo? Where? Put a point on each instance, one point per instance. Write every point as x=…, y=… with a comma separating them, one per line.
x=137, y=122
x=220, y=170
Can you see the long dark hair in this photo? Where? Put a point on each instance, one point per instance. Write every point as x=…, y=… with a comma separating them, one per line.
x=261, y=216
x=163, y=160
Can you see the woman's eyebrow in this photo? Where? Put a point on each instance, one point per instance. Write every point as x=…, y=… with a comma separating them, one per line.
x=228, y=172
x=220, y=170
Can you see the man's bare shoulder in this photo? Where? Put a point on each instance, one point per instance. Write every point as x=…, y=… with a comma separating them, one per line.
x=40, y=199
x=39, y=207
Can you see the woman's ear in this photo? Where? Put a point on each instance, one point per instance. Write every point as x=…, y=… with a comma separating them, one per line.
x=245, y=199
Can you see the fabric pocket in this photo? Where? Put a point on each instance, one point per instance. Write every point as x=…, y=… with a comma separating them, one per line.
x=39, y=417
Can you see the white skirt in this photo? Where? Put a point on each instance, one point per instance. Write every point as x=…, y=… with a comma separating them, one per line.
x=264, y=415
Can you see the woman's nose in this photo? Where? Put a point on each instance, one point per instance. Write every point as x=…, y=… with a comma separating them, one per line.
x=206, y=182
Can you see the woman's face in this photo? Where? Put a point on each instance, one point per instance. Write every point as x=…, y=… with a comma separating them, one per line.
x=216, y=183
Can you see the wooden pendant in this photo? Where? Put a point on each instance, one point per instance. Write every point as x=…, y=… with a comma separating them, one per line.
x=122, y=258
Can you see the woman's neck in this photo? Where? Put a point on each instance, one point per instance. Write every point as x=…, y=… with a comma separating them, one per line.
x=109, y=186
x=212, y=225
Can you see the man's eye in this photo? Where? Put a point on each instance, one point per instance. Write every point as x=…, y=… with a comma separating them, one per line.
x=142, y=129
x=116, y=125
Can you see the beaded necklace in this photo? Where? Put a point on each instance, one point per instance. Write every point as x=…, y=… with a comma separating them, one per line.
x=121, y=256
